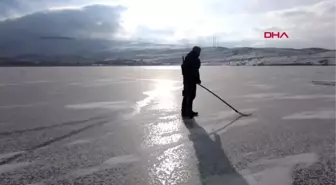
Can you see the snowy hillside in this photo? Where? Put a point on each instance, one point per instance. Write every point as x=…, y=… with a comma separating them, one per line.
x=247, y=56
x=89, y=52
x=319, y=58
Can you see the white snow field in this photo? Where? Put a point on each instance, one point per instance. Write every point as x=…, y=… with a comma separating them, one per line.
x=122, y=126
x=173, y=56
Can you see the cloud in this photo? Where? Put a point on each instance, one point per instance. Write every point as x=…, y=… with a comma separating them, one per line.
x=262, y=6
x=9, y=7
x=309, y=23
x=307, y=26
x=15, y=8
x=153, y=35
x=94, y=21
x=62, y=31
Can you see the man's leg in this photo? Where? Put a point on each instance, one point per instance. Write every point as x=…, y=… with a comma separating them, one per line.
x=184, y=105
x=192, y=98
x=187, y=101
x=188, y=110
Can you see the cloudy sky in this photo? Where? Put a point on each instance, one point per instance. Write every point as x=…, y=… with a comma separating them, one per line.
x=234, y=23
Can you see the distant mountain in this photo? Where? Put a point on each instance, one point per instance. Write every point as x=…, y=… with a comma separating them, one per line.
x=55, y=38
x=66, y=50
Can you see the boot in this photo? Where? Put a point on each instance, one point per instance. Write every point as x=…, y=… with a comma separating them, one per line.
x=187, y=115
x=194, y=113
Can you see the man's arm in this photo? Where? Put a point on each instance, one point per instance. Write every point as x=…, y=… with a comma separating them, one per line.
x=198, y=66
x=182, y=65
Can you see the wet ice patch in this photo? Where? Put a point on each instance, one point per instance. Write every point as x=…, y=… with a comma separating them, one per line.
x=222, y=115
x=261, y=86
x=315, y=96
x=7, y=155
x=325, y=82
x=35, y=82
x=162, y=67
x=89, y=140
x=108, y=164
x=121, y=160
x=106, y=83
x=78, y=142
x=239, y=123
x=248, y=111
x=23, y=83
x=11, y=167
x=84, y=172
x=22, y=105
x=224, y=120
x=266, y=95
x=225, y=126
x=100, y=82
x=114, y=80
x=116, y=105
x=157, y=80
x=244, y=122
x=277, y=171
x=109, y=134
x=283, y=96
x=323, y=114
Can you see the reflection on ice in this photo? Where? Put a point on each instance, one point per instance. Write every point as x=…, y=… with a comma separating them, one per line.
x=161, y=97
x=168, y=169
x=170, y=117
x=165, y=127
x=103, y=105
x=162, y=134
x=159, y=140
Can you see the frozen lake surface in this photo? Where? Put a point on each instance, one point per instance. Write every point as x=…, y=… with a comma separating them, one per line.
x=122, y=126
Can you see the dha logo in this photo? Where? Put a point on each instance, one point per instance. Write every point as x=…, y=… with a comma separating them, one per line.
x=271, y=35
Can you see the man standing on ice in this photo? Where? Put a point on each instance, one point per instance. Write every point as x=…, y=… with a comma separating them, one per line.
x=191, y=77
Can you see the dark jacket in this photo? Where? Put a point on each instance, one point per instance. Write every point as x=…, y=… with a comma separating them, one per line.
x=190, y=68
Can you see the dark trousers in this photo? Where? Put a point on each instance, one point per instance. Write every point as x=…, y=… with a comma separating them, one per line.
x=189, y=94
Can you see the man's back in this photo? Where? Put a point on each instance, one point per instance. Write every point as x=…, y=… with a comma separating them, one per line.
x=190, y=67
